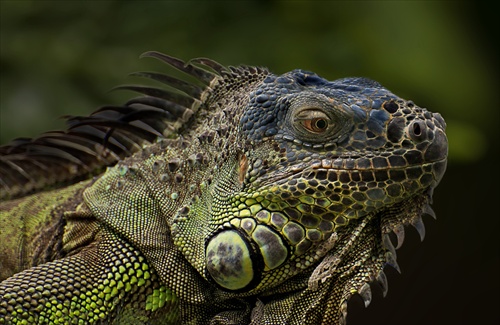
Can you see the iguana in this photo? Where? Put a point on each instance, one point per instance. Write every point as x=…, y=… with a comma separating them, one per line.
x=236, y=197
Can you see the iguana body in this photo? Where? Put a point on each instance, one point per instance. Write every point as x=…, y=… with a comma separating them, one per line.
x=268, y=200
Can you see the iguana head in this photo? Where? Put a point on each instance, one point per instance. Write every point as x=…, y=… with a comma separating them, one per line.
x=315, y=156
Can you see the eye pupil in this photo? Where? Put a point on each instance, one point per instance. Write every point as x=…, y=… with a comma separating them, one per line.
x=320, y=124
x=314, y=121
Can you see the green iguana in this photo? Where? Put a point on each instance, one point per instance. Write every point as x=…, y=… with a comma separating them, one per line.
x=239, y=197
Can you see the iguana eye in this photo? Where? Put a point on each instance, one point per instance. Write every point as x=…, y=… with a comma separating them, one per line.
x=314, y=121
x=316, y=125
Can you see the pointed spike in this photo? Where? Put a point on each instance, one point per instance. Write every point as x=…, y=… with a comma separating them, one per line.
x=430, y=193
x=150, y=91
x=343, y=315
x=257, y=313
x=176, y=63
x=382, y=281
x=235, y=69
x=386, y=241
x=427, y=209
x=391, y=260
x=366, y=294
x=70, y=145
x=419, y=225
x=180, y=85
x=174, y=110
x=125, y=123
x=202, y=75
x=19, y=169
x=83, y=130
x=159, y=93
x=49, y=151
x=145, y=127
x=216, y=66
x=399, y=230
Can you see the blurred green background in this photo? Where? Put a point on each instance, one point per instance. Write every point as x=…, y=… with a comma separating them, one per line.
x=61, y=57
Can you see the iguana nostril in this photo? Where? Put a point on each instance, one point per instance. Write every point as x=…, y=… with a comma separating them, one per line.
x=418, y=130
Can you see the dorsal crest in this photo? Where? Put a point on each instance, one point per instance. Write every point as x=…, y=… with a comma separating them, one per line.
x=91, y=143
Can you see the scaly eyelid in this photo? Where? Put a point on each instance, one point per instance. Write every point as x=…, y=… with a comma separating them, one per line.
x=310, y=114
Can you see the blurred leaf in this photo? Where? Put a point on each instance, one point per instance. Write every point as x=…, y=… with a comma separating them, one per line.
x=467, y=143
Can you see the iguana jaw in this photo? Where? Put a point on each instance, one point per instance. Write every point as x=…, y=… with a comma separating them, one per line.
x=295, y=225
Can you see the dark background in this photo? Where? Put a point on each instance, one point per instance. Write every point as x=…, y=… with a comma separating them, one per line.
x=60, y=58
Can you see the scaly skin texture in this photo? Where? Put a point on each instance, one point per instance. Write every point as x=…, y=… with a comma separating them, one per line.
x=267, y=200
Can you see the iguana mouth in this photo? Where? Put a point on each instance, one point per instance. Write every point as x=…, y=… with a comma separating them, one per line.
x=308, y=171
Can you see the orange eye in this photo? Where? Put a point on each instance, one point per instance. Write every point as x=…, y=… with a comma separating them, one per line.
x=316, y=125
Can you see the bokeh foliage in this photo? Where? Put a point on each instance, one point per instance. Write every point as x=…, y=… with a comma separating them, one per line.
x=61, y=57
